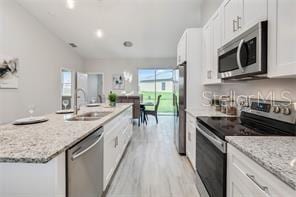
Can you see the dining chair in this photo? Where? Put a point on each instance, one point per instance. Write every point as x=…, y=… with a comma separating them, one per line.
x=154, y=112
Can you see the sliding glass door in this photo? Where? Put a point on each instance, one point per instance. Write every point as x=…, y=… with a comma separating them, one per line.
x=155, y=82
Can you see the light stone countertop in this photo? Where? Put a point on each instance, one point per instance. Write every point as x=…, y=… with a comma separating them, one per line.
x=39, y=143
x=275, y=154
x=207, y=112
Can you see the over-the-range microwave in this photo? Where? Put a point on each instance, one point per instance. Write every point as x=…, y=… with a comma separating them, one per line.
x=246, y=55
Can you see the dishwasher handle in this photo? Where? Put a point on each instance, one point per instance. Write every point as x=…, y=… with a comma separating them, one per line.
x=78, y=153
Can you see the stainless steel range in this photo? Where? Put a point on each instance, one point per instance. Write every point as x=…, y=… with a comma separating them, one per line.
x=258, y=118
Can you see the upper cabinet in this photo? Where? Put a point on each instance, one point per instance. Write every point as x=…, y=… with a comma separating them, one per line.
x=239, y=15
x=282, y=38
x=234, y=17
x=211, y=43
x=182, y=50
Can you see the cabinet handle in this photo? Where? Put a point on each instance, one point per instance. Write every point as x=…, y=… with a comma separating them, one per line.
x=233, y=25
x=263, y=188
x=238, y=22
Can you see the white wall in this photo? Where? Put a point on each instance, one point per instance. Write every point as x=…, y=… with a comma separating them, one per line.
x=117, y=66
x=208, y=7
x=41, y=56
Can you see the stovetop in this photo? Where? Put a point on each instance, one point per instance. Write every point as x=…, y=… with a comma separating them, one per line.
x=258, y=118
x=236, y=126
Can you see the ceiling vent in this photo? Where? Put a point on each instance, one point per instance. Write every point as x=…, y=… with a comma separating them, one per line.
x=128, y=44
x=73, y=45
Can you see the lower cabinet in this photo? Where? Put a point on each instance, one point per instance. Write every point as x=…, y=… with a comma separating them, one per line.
x=245, y=178
x=117, y=134
x=191, y=139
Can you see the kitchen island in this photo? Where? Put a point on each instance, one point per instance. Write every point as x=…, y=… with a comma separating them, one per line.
x=33, y=157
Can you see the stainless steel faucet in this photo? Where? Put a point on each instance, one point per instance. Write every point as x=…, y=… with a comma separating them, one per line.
x=76, y=90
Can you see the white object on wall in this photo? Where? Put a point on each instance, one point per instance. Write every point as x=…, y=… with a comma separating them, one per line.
x=118, y=82
x=9, y=72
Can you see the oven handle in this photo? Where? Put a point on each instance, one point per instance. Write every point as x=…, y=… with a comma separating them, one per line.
x=238, y=59
x=221, y=145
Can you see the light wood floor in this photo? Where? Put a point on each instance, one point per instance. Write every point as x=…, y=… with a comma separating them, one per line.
x=152, y=167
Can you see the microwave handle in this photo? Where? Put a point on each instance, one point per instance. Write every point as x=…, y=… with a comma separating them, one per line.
x=238, y=59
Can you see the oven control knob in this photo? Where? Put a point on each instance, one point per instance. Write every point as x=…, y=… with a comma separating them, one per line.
x=276, y=109
x=286, y=111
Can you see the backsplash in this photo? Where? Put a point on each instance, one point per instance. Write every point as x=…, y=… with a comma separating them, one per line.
x=280, y=89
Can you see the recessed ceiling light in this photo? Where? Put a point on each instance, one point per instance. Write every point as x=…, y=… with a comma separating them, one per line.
x=71, y=4
x=100, y=33
x=128, y=44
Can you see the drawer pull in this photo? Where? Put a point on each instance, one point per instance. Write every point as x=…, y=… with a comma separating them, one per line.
x=263, y=188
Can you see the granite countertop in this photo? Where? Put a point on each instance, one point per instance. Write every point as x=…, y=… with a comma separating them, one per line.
x=39, y=143
x=208, y=112
x=276, y=154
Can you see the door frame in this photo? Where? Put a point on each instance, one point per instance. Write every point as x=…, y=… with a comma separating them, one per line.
x=103, y=79
x=60, y=85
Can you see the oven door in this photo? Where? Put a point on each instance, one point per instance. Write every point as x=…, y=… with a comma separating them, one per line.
x=245, y=55
x=211, y=161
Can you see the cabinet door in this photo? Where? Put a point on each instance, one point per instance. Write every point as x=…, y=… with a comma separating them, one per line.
x=208, y=51
x=182, y=47
x=254, y=12
x=282, y=39
x=190, y=140
x=217, y=43
x=232, y=18
x=110, y=155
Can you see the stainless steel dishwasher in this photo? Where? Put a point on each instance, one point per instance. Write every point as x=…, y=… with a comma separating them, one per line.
x=85, y=167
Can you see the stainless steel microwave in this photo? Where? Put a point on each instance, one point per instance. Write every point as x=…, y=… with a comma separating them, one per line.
x=246, y=55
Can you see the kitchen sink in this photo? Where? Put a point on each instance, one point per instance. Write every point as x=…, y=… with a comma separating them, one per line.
x=89, y=116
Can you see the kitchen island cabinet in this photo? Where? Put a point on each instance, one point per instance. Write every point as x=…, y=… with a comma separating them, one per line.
x=33, y=157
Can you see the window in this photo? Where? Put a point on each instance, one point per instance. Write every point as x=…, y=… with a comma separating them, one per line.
x=66, y=83
x=163, y=86
x=66, y=89
x=155, y=82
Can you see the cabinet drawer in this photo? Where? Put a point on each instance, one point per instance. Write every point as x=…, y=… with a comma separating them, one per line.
x=254, y=176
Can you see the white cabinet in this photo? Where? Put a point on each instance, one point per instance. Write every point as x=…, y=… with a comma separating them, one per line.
x=207, y=51
x=182, y=49
x=34, y=179
x=232, y=17
x=282, y=38
x=211, y=44
x=240, y=15
x=191, y=47
x=254, y=11
x=191, y=139
x=245, y=178
x=117, y=134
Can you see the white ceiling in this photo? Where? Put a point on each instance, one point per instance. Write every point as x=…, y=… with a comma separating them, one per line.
x=154, y=26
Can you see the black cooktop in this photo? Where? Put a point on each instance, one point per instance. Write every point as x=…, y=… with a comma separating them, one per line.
x=245, y=126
